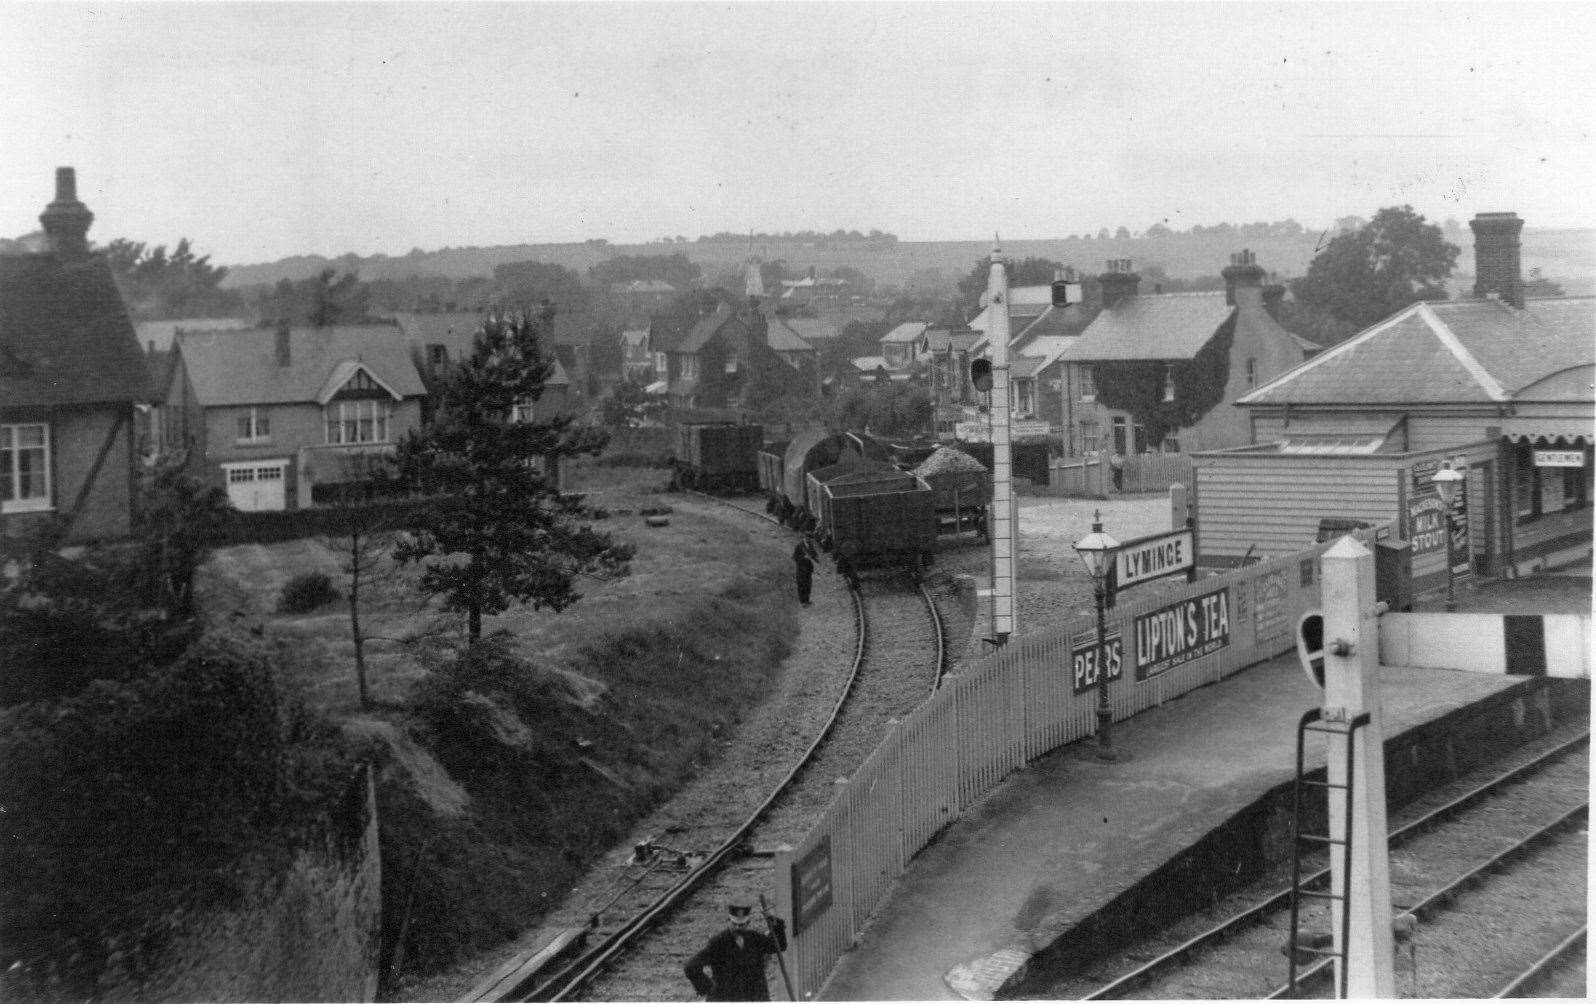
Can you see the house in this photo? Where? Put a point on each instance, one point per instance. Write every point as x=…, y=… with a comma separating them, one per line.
x=905, y=345
x=1497, y=386
x=709, y=347
x=783, y=336
x=949, y=353
x=1173, y=343
x=637, y=361
x=269, y=415
x=437, y=342
x=71, y=373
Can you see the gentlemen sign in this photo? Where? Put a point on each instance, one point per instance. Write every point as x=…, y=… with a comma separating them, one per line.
x=1151, y=557
x=1084, y=656
x=811, y=885
x=1175, y=635
x=1559, y=458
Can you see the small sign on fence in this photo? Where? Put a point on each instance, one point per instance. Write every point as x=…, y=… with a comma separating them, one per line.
x=1083, y=661
x=1153, y=557
x=811, y=885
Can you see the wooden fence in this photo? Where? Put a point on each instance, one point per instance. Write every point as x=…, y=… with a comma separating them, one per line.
x=1148, y=472
x=1003, y=711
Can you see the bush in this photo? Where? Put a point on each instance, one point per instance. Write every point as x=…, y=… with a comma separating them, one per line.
x=305, y=593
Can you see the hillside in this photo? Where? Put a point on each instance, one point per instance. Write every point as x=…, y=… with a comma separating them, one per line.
x=1565, y=256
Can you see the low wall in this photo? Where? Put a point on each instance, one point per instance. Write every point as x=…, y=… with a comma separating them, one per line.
x=1257, y=840
x=308, y=933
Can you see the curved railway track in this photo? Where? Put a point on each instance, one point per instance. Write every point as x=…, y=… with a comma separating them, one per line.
x=1511, y=832
x=671, y=897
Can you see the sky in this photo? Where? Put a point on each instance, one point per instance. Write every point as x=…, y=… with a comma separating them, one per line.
x=262, y=130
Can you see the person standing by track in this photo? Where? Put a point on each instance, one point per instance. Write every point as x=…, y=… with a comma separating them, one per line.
x=731, y=967
x=803, y=559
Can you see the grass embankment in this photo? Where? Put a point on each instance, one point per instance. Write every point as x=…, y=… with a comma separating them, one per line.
x=547, y=801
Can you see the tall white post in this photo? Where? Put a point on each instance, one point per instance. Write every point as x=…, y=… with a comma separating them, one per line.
x=997, y=336
x=1351, y=687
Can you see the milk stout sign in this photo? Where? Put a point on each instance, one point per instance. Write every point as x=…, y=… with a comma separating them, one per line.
x=1174, y=635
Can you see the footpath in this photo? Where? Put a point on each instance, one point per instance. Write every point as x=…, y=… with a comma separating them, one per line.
x=1063, y=837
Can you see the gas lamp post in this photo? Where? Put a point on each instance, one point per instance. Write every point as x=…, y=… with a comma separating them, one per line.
x=1097, y=550
x=1447, y=482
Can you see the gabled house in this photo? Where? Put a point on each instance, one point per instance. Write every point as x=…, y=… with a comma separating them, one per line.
x=71, y=373
x=905, y=345
x=708, y=347
x=1500, y=387
x=637, y=361
x=784, y=339
x=269, y=415
x=1243, y=342
x=438, y=342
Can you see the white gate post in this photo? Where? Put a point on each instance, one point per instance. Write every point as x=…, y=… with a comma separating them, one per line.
x=1351, y=687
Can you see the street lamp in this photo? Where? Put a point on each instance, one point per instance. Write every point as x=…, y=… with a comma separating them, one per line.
x=1447, y=482
x=1097, y=550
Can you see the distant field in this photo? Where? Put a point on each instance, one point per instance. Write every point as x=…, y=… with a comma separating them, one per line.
x=1565, y=256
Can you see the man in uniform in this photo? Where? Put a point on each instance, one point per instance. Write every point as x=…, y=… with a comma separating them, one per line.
x=732, y=966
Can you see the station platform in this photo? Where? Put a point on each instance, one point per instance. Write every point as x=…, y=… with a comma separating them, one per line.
x=1061, y=839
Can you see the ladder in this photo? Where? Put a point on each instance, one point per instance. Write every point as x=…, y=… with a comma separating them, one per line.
x=1301, y=840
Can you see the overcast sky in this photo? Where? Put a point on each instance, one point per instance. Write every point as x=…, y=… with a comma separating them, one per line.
x=265, y=130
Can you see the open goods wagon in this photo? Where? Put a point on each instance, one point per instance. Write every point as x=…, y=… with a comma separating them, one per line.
x=721, y=456
x=880, y=519
x=962, y=488
x=813, y=450
x=846, y=469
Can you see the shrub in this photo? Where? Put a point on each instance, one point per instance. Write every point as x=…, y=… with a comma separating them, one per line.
x=305, y=593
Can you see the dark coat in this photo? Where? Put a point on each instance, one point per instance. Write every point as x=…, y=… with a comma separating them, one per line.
x=803, y=562
x=725, y=971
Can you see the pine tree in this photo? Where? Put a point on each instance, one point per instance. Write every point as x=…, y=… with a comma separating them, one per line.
x=504, y=532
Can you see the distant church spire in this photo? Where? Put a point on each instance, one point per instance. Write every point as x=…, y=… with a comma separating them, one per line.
x=753, y=282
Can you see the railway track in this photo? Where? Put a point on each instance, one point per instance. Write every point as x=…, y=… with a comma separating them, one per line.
x=1502, y=849
x=669, y=898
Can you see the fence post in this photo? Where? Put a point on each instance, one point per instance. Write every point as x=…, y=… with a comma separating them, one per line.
x=784, y=910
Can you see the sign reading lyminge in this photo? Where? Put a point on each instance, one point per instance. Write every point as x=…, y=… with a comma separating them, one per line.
x=1174, y=635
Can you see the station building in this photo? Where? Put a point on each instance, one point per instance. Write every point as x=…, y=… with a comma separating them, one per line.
x=1500, y=387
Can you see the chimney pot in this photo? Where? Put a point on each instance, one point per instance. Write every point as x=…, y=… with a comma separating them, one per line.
x=1119, y=282
x=1243, y=272
x=66, y=220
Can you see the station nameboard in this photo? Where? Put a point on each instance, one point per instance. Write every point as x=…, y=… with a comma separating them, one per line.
x=1083, y=661
x=1559, y=458
x=811, y=885
x=1174, y=635
x=1152, y=557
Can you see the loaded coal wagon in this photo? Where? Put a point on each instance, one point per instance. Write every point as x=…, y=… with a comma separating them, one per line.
x=816, y=481
x=880, y=518
x=719, y=456
x=962, y=489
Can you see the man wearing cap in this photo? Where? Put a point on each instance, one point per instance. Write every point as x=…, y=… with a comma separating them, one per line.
x=732, y=966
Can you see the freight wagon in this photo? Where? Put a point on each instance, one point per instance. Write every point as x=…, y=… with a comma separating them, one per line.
x=880, y=519
x=721, y=456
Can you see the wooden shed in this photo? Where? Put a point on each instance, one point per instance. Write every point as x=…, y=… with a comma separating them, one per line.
x=1256, y=502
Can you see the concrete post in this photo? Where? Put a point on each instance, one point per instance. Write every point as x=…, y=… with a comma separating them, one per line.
x=1351, y=687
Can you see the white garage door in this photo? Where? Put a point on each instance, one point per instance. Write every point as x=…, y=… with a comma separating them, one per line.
x=257, y=487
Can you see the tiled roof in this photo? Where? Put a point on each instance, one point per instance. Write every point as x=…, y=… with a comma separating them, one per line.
x=783, y=338
x=700, y=334
x=942, y=339
x=1025, y=366
x=1464, y=352
x=811, y=329
x=457, y=330
x=65, y=337
x=907, y=332
x=1161, y=326
x=240, y=367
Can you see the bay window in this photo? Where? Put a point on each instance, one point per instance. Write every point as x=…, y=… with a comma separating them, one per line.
x=361, y=421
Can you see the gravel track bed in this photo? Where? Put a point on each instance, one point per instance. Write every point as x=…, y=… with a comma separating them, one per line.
x=1251, y=964
x=899, y=667
x=1496, y=929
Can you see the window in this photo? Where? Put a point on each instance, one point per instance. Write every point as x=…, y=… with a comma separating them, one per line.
x=1089, y=437
x=254, y=427
x=1120, y=435
x=689, y=367
x=1171, y=444
x=522, y=413
x=358, y=421
x=437, y=356
x=1088, y=386
x=731, y=364
x=1252, y=371
x=24, y=467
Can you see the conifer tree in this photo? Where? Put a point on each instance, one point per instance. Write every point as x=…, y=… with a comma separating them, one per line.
x=503, y=530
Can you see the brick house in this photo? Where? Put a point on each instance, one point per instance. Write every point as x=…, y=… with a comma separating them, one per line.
x=268, y=415
x=71, y=373
x=708, y=348
x=1172, y=328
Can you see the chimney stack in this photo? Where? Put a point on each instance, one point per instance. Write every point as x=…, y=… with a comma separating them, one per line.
x=1496, y=259
x=1272, y=295
x=66, y=220
x=1243, y=279
x=281, y=345
x=1118, y=281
